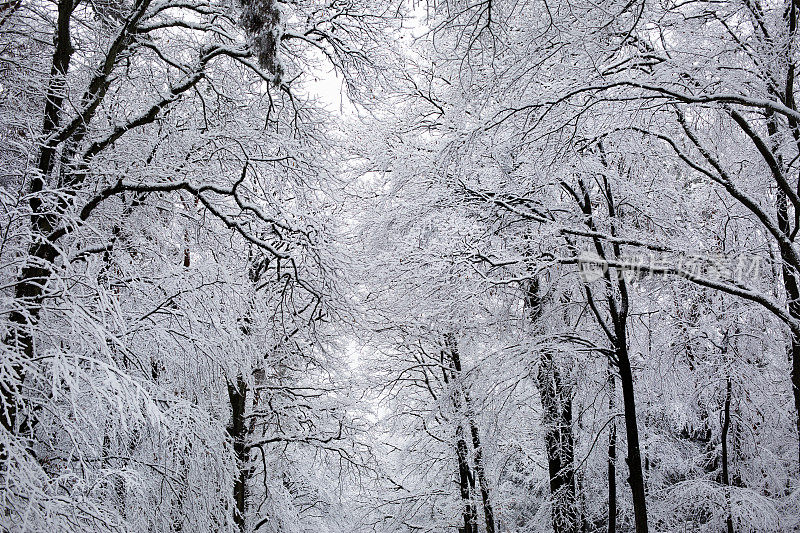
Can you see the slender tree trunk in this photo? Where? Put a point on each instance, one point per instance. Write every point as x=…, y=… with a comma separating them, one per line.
x=488, y=511
x=559, y=442
x=795, y=378
x=557, y=406
x=791, y=284
x=616, y=296
x=237, y=393
x=726, y=424
x=612, y=454
x=466, y=480
x=29, y=291
x=792, y=291
x=480, y=471
x=634, y=458
x=790, y=275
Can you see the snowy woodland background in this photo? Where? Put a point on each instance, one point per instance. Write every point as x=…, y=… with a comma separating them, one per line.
x=538, y=269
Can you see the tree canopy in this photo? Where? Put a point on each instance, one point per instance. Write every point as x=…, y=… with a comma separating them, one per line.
x=537, y=270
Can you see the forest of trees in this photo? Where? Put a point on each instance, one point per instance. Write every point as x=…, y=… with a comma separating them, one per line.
x=378, y=266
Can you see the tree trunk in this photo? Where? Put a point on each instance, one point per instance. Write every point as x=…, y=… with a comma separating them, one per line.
x=726, y=424
x=791, y=284
x=237, y=393
x=557, y=416
x=557, y=406
x=616, y=290
x=488, y=511
x=790, y=275
x=29, y=289
x=795, y=378
x=612, y=454
x=466, y=481
x=792, y=291
x=634, y=459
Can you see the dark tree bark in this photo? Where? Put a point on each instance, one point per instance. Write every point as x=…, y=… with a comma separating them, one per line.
x=634, y=458
x=557, y=406
x=237, y=431
x=466, y=480
x=480, y=470
x=726, y=424
x=772, y=156
x=790, y=274
x=791, y=284
x=556, y=401
x=612, y=454
x=615, y=328
x=488, y=511
x=29, y=289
